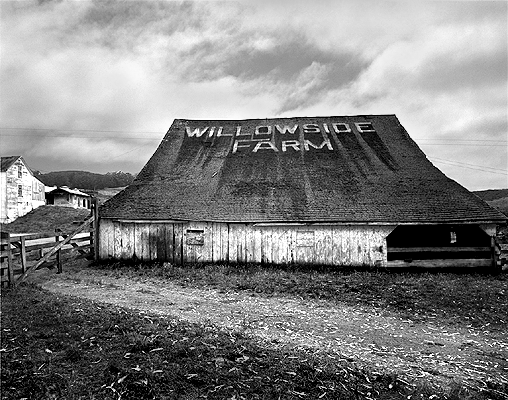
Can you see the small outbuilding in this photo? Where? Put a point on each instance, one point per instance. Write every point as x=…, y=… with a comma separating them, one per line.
x=64, y=196
x=344, y=191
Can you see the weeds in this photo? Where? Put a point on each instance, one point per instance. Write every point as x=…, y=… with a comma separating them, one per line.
x=63, y=347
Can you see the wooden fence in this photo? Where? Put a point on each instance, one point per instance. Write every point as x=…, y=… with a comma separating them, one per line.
x=21, y=254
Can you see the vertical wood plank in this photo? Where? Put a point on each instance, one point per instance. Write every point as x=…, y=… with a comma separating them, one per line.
x=256, y=244
x=152, y=241
x=354, y=234
x=225, y=242
x=207, y=254
x=220, y=242
x=335, y=246
x=292, y=244
x=366, y=247
x=138, y=245
x=106, y=235
x=233, y=240
x=127, y=241
x=103, y=243
x=145, y=241
x=320, y=251
x=348, y=246
x=374, y=244
x=95, y=236
x=117, y=251
x=160, y=241
x=328, y=245
x=187, y=253
x=23, y=254
x=241, y=254
x=282, y=247
x=178, y=241
x=266, y=247
x=170, y=245
x=214, y=241
x=277, y=248
x=249, y=244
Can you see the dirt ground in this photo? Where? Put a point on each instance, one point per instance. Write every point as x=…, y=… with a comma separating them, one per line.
x=367, y=336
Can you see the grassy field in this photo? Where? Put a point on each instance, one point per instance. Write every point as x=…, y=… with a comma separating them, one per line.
x=65, y=347
x=46, y=219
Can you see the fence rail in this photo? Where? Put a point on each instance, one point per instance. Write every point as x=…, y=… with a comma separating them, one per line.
x=22, y=254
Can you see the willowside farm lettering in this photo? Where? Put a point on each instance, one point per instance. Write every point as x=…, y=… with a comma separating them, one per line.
x=283, y=138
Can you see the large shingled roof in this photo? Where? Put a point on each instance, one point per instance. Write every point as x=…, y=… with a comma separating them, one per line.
x=347, y=169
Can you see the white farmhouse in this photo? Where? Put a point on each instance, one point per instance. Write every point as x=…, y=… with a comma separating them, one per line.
x=20, y=190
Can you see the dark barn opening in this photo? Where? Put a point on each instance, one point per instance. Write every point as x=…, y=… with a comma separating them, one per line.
x=429, y=242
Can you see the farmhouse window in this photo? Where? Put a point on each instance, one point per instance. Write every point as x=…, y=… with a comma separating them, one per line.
x=195, y=237
x=20, y=191
x=20, y=171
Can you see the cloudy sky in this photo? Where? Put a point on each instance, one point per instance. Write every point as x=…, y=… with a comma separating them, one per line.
x=94, y=85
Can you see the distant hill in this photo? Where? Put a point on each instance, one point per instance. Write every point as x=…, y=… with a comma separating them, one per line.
x=497, y=198
x=492, y=194
x=85, y=180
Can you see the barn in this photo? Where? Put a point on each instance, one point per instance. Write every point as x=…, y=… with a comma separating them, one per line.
x=344, y=191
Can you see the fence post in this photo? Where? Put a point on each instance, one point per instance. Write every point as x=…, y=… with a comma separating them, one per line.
x=94, y=237
x=493, y=246
x=6, y=273
x=22, y=250
x=58, y=253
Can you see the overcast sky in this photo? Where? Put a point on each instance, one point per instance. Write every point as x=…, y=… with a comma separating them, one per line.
x=94, y=85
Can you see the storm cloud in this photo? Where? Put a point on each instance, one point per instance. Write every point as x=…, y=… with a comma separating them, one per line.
x=95, y=84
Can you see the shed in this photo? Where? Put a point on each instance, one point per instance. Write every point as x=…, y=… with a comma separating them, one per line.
x=67, y=197
x=343, y=190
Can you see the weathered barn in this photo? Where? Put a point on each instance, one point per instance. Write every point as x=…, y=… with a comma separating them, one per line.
x=20, y=190
x=347, y=190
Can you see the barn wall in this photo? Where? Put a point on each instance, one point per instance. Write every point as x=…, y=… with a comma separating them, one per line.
x=353, y=245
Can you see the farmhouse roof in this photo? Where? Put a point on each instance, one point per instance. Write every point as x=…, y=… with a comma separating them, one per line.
x=67, y=190
x=345, y=169
x=6, y=162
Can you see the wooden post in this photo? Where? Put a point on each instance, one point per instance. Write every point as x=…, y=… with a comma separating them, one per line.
x=22, y=254
x=494, y=254
x=6, y=254
x=54, y=250
x=59, y=261
x=94, y=236
x=58, y=253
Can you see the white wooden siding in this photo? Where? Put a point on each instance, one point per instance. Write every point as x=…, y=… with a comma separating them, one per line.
x=353, y=245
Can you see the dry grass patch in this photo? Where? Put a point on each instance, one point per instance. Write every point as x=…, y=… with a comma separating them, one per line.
x=480, y=300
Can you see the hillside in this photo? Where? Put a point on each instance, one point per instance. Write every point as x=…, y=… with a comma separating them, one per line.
x=497, y=198
x=85, y=180
x=492, y=194
x=46, y=219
